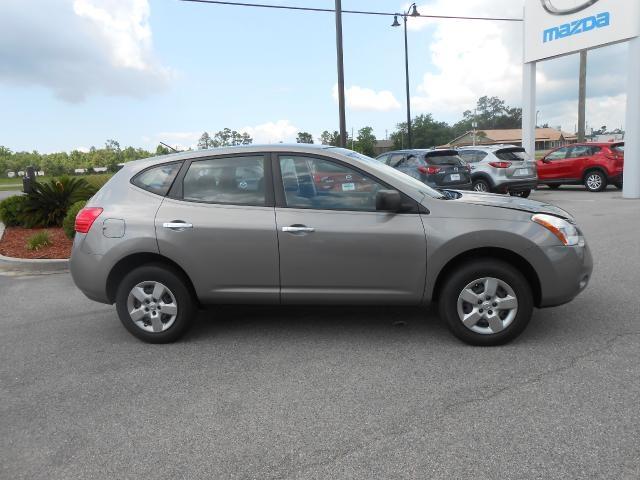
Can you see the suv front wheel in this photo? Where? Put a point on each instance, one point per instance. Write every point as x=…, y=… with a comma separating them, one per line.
x=486, y=302
x=154, y=304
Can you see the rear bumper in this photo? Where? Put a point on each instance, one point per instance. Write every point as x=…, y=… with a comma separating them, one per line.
x=87, y=272
x=517, y=185
x=453, y=186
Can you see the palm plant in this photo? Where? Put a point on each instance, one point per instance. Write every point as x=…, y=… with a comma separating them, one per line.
x=47, y=204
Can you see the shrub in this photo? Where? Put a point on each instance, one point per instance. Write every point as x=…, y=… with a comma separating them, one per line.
x=69, y=222
x=98, y=180
x=11, y=210
x=39, y=240
x=47, y=205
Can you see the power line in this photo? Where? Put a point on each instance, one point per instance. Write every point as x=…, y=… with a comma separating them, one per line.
x=359, y=12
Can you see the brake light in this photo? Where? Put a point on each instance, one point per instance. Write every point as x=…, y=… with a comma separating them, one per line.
x=430, y=170
x=86, y=217
x=500, y=164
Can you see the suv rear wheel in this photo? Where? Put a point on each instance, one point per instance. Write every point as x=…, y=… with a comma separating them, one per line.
x=595, y=181
x=154, y=304
x=521, y=193
x=486, y=302
x=481, y=185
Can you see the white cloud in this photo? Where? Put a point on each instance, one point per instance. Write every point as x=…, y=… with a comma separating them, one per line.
x=469, y=59
x=272, y=132
x=77, y=48
x=368, y=100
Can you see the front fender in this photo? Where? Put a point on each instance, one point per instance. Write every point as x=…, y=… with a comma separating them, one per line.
x=448, y=239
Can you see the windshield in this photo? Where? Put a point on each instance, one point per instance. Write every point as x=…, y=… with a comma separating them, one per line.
x=391, y=172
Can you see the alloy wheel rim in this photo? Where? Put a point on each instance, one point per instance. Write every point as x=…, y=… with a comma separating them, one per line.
x=487, y=305
x=480, y=187
x=594, y=182
x=152, y=306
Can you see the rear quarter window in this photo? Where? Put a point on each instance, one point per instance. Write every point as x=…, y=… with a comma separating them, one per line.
x=157, y=179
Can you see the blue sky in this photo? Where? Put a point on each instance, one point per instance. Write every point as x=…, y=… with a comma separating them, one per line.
x=74, y=73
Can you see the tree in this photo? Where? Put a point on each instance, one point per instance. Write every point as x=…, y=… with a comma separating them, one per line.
x=327, y=138
x=205, y=142
x=162, y=150
x=366, y=141
x=426, y=133
x=228, y=137
x=490, y=113
x=304, y=137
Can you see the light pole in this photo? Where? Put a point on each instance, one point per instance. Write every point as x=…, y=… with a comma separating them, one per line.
x=413, y=12
x=339, y=55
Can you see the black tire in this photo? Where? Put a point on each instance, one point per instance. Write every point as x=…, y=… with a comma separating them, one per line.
x=177, y=285
x=481, y=185
x=521, y=193
x=457, y=280
x=554, y=186
x=595, y=181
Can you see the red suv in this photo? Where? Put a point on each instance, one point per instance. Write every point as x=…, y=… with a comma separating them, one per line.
x=593, y=164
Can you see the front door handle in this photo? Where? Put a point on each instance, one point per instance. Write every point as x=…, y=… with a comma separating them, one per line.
x=177, y=225
x=298, y=229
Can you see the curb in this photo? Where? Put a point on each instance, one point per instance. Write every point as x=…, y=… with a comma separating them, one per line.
x=31, y=265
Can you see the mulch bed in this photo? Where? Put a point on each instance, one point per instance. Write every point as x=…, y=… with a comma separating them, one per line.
x=14, y=241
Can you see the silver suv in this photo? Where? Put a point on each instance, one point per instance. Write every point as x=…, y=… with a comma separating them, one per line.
x=501, y=169
x=320, y=225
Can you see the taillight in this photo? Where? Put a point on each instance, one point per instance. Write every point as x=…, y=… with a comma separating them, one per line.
x=86, y=217
x=500, y=164
x=430, y=170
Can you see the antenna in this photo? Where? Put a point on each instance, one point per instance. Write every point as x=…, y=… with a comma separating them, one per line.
x=169, y=146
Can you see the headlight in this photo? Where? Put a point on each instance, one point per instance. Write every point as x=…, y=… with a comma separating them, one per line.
x=566, y=233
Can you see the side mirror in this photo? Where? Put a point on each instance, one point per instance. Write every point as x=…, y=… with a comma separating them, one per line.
x=545, y=160
x=388, y=201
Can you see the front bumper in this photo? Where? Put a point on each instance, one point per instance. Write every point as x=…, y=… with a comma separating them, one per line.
x=567, y=272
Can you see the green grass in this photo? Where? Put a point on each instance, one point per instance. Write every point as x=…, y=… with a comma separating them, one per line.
x=39, y=240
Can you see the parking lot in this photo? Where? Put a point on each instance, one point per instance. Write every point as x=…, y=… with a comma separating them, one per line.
x=330, y=393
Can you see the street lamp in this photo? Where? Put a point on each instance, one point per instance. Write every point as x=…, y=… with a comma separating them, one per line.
x=411, y=12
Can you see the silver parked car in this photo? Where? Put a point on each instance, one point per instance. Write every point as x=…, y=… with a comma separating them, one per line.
x=501, y=169
x=305, y=224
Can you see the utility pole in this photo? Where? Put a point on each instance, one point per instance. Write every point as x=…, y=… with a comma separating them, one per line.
x=339, y=55
x=582, y=96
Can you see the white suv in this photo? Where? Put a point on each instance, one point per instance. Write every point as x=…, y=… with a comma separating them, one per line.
x=501, y=169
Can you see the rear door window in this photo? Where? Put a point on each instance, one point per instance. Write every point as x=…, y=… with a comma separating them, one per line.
x=158, y=179
x=579, y=151
x=231, y=180
x=395, y=159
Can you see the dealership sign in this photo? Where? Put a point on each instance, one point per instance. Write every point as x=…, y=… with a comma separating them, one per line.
x=558, y=27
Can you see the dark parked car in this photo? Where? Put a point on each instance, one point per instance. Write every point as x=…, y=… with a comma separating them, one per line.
x=438, y=168
x=593, y=164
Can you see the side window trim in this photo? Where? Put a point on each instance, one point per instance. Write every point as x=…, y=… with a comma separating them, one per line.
x=177, y=192
x=281, y=201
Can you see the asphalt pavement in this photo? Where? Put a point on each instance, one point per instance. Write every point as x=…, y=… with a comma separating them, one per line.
x=261, y=393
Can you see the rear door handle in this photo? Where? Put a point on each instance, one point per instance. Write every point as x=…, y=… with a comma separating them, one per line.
x=177, y=225
x=298, y=229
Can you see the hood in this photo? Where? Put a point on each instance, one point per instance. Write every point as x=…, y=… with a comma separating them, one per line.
x=512, y=203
